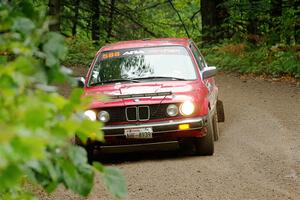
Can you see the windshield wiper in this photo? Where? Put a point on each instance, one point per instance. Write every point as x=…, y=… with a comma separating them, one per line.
x=115, y=81
x=161, y=77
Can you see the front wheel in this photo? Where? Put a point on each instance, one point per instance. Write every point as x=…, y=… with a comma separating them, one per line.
x=205, y=145
x=90, y=153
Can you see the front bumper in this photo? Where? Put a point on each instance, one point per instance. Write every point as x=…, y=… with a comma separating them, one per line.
x=166, y=136
x=168, y=126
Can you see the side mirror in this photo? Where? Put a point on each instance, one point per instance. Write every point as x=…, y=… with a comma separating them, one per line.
x=209, y=72
x=80, y=82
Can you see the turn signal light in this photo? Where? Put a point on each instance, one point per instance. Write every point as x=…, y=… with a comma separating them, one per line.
x=183, y=126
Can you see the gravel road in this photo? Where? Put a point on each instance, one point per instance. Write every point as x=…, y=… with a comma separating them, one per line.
x=257, y=156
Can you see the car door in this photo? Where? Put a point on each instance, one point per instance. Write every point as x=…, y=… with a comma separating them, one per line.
x=209, y=82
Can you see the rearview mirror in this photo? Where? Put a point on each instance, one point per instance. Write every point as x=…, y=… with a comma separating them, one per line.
x=209, y=72
x=80, y=81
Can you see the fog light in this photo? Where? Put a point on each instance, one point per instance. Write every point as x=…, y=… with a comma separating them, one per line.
x=172, y=110
x=103, y=116
x=183, y=126
x=90, y=114
x=187, y=108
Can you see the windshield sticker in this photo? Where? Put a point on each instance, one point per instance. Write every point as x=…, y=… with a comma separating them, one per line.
x=110, y=55
x=133, y=52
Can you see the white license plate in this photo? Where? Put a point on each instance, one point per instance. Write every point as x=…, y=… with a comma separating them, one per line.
x=139, y=133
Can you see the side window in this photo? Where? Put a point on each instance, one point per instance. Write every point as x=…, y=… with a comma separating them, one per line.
x=202, y=59
x=198, y=57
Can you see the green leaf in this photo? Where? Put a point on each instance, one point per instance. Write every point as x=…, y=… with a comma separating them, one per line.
x=78, y=175
x=78, y=155
x=58, y=100
x=36, y=116
x=69, y=174
x=23, y=25
x=54, y=48
x=28, y=147
x=114, y=181
x=51, y=187
x=76, y=95
x=52, y=170
x=35, y=121
x=78, y=178
x=98, y=166
x=3, y=59
x=91, y=129
x=10, y=176
x=85, y=181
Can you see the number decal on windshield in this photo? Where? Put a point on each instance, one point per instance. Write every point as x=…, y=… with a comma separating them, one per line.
x=110, y=55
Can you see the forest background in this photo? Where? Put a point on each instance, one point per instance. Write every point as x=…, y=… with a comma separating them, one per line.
x=249, y=36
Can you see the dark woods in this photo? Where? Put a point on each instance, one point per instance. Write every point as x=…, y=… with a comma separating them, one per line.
x=206, y=21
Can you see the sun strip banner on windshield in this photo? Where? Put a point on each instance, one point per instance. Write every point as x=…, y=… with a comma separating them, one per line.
x=174, y=50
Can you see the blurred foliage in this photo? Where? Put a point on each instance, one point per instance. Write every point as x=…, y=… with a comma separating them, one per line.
x=36, y=122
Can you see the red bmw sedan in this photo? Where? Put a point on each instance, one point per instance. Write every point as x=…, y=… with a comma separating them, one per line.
x=162, y=95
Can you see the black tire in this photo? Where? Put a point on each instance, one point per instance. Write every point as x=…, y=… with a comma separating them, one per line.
x=220, y=111
x=90, y=153
x=186, y=146
x=205, y=145
x=216, y=127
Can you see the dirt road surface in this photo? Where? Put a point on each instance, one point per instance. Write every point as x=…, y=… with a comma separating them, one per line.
x=257, y=156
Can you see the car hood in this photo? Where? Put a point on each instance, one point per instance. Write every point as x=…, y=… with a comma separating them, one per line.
x=144, y=93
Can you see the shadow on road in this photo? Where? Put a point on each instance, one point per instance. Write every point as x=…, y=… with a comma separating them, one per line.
x=140, y=156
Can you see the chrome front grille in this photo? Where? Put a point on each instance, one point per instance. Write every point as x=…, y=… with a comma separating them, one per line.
x=129, y=113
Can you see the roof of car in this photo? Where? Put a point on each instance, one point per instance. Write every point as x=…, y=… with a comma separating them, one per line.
x=146, y=43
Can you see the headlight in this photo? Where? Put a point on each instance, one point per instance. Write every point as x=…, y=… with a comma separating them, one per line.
x=187, y=108
x=90, y=114
x=172, y=110
x=103, y=116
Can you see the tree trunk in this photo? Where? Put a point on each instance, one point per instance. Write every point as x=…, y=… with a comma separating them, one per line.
x=209, y=21
x=111, y=20
x=76, y=15
x=276, y=13
x=297, y=18
x=290, y=28
x=253, y=22
x=95, y=7
x=54, y=12
x=276, y=8
x=252, y=26
x=221, y=15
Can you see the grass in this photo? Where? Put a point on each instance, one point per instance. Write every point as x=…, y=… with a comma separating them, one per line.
x=80, y=52
x=276, y=61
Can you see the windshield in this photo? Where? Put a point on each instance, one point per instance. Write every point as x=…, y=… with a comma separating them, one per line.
x=171, y=62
